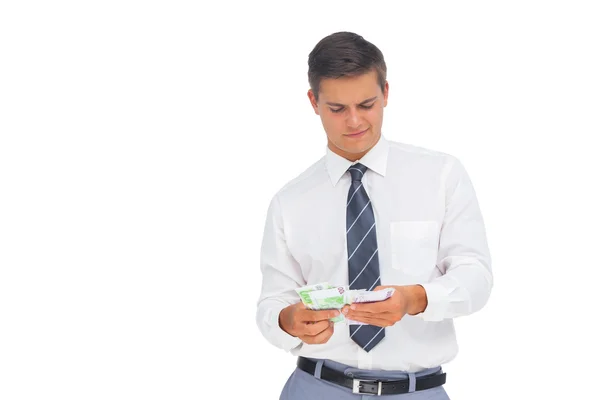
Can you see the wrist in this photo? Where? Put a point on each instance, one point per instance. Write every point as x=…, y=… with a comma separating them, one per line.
x=416, y=299
x=283, y=317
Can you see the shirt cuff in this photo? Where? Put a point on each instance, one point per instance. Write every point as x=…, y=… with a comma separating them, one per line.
x=437, y=301
x=281, y=338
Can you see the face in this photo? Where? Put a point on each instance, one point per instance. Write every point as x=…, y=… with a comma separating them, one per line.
x=351, y=110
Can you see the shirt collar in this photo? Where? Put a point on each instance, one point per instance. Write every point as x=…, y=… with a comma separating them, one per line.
x=375, y=160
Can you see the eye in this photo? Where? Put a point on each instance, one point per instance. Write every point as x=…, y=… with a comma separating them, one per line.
x=364, y=107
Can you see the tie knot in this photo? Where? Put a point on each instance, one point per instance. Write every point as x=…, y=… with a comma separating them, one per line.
x=357, y=171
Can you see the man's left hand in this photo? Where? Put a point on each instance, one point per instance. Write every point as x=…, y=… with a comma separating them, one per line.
x=405, y=300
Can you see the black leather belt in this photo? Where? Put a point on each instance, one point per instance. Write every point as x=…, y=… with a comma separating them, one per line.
x=362, y=386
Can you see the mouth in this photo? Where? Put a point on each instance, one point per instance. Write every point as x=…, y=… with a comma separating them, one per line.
x=357, y=134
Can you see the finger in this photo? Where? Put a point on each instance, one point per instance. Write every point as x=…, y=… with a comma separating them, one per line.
x=321, y=338
x=359, y=314
x=315, y=316
x=367, y=308
x=375, y=321
x=374, y=308
x=315, y=328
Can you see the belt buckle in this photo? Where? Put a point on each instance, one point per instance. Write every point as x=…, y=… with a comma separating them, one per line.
x=357, y=385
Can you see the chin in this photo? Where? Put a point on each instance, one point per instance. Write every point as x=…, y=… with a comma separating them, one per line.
x=352, y=146
x=358, y=145
x=355, y=149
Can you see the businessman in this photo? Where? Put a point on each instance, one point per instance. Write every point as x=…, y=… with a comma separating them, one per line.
x=372, y=213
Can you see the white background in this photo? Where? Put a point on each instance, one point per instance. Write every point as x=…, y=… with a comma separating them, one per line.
x=141, y=142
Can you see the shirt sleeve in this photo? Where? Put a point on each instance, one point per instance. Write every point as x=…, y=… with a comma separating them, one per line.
x=281, y=275
x=463, y=256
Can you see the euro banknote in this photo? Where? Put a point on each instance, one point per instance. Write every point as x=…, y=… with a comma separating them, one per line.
x=323, y=296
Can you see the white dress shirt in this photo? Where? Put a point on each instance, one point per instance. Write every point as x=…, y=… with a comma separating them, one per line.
x=429, y=231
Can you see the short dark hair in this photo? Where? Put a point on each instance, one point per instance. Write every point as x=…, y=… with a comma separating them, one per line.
x=344, y=54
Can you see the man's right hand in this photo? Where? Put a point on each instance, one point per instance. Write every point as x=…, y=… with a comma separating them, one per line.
x=310, y=326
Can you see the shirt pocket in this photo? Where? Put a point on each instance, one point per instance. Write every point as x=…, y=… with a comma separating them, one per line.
x=414, y=246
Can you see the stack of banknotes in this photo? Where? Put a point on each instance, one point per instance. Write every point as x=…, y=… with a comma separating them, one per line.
x=323, y=296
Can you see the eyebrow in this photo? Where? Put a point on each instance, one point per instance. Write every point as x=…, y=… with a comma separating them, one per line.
x=343, y=105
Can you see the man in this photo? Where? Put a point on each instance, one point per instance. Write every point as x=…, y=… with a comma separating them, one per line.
x=370, y=214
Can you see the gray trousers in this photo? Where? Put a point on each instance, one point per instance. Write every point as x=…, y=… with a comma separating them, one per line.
x=304, y=386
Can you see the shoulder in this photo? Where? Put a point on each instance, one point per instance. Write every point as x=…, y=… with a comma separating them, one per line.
x=310, y=178
x=413, y=151
x=429, y=164
x=400, y=152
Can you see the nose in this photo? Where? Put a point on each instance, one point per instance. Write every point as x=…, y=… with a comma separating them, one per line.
x=353, y=120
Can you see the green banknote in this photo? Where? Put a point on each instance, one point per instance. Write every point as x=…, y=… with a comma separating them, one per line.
x=334, y=298
x=304, y=293
x=323, y=296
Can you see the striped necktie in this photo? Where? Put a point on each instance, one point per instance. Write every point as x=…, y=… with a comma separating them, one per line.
x=363, y=262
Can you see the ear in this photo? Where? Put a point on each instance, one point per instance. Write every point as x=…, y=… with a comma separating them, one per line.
x=313, y=101
x=385, y=93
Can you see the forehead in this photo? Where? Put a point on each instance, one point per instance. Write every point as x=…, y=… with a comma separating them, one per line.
x=350, y=89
